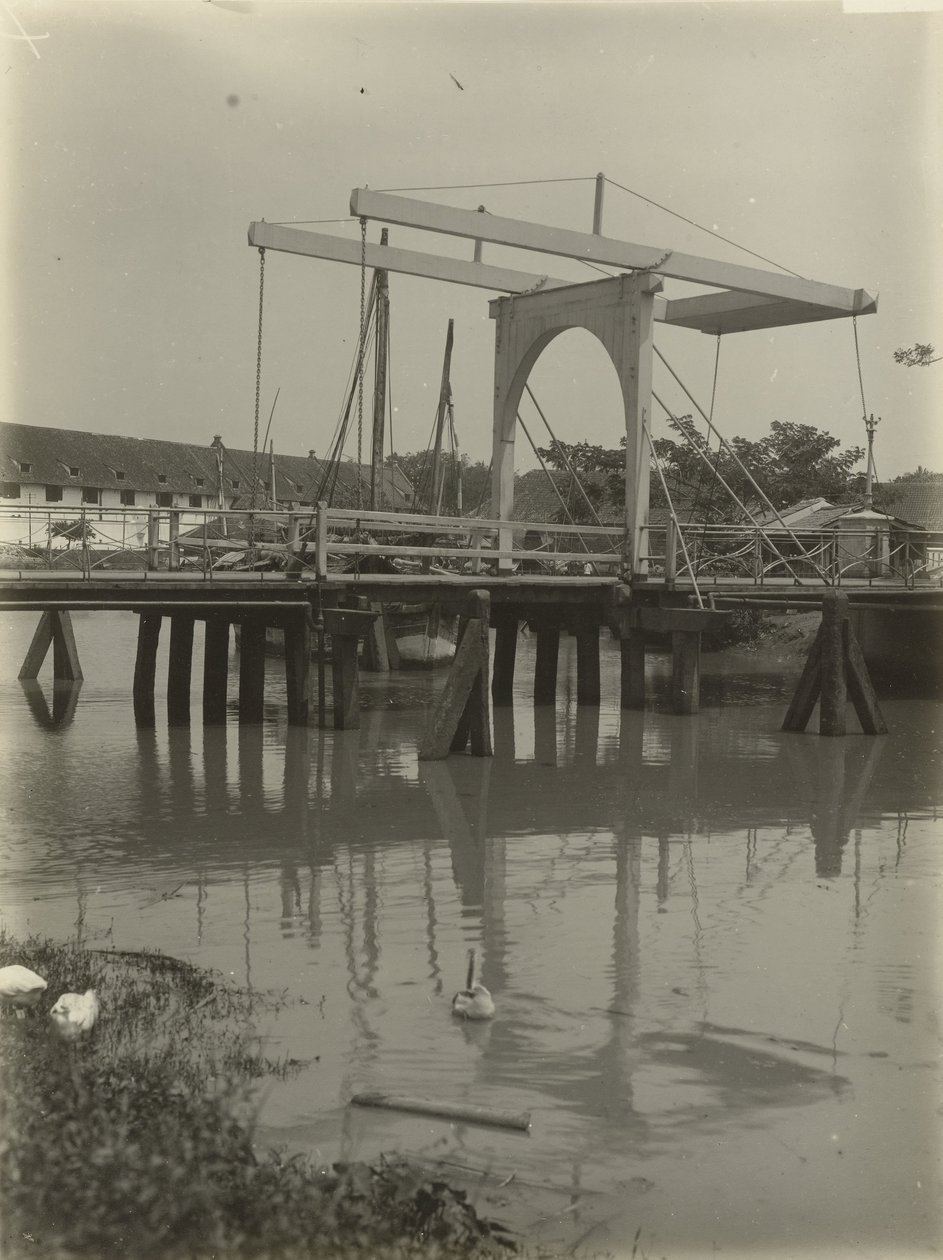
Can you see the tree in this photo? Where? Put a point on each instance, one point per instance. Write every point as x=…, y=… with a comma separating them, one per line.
x=417, y=466
x=793, y=462
x=918, y=355
x=71, y=531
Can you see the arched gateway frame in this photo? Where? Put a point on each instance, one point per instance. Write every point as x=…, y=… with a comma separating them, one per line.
x=620, y=312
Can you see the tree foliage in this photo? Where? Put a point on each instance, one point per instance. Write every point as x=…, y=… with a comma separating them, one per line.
x=417, y=466
x=71, y=531
x=792, y=462
x=918, y=355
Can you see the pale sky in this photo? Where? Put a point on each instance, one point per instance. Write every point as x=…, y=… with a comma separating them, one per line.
x=142, y=139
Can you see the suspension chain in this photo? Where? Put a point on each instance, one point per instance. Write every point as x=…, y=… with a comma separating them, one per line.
x=363, y=339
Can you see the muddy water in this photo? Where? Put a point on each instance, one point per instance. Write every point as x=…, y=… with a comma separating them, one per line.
x=713, y=947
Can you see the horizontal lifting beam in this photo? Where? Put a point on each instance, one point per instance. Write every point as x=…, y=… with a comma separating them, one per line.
x=712, y=313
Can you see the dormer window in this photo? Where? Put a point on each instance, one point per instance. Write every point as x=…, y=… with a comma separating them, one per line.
x=200, y=481
x=162, y=479
x=235, y=483
x=119, y=474
x=25, y=467
x=73, y=470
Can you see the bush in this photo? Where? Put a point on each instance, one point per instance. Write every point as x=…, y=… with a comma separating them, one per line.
x=138, y=1141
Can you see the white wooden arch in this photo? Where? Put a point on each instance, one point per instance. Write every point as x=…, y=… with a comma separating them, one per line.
x=620, y=313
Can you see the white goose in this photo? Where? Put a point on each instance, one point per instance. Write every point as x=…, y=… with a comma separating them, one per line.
x=75, y=1013
x=474, y=1001
x=20, y=988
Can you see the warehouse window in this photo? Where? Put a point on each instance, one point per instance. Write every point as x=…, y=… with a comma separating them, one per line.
x=127, y=498
x=9, y=490
x=54, y=494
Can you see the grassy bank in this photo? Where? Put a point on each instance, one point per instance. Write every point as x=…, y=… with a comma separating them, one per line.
x=137, y=1140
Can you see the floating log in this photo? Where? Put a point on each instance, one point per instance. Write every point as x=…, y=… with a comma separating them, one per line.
x=447, y=1111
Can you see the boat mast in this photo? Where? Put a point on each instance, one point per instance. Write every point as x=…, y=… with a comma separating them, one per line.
x=445, y=394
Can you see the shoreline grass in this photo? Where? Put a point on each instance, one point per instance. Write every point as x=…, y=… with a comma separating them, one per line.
x=137, y=1140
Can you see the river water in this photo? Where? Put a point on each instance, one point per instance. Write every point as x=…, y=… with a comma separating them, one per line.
x=713, y=947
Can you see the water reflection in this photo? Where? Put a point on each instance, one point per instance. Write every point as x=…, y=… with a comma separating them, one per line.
x=680, y=918
x=65, y=697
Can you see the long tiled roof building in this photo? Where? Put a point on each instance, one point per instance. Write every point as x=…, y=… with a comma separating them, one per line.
x=46, y=467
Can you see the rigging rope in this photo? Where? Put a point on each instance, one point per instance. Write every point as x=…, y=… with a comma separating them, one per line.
x=674, y=516
x=363, y=335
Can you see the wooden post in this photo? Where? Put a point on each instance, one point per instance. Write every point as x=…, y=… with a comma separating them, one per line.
x=834, y=670
x=320, y=541
x=632, y=651
x=545, y=665
x=173, y=562
x=178, y=669
x=505, y=653
x=671, y=554
x=298, y=668
x=215, y=669
x=380, y=387
x=587, y=664
x=685, y=670
x=375, y=652
x=55, y=627
x=834, y=692
x=252, y=669
x=462, y=709
x=346, y=680
x=145, y=668
x=153, y=540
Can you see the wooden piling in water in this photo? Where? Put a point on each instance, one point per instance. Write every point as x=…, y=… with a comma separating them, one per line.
x=587, y=664
x=179, y=669
x=462, y=711
x=632, y=686
x=252, y=669
x=345, y=676
x=835, y=671
x=545, y=664
x=505, y=654
x=55, y=628
x=145, y=668
x=298, y=668
x=685, y=671
x=215, y=670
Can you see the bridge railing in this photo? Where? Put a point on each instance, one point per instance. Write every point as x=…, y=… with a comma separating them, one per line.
x=712, y=553
x=320, y=541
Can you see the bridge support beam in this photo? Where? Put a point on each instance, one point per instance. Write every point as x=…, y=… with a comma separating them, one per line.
x=587, y=664
x=685, y=671
x=145, y=668
x=252, y=669
x=632, y=652
x=215, y=670
x=834, y=671
x=55, y=627
x=545, y=665
x=505, y=655
x=298, y=669
x=179, y=668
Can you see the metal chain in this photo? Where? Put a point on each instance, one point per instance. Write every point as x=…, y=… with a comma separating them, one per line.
x=258, y=382
x=363, y=339
x=864, y=406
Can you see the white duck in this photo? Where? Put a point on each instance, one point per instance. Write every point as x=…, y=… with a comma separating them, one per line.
x=474, y=1001
x=75, y=1013
x=20, y=988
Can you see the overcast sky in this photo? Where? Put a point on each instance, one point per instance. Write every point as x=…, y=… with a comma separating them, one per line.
x=142, y=139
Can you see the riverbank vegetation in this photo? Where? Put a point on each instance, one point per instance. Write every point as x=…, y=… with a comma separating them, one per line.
x=137, y=1140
